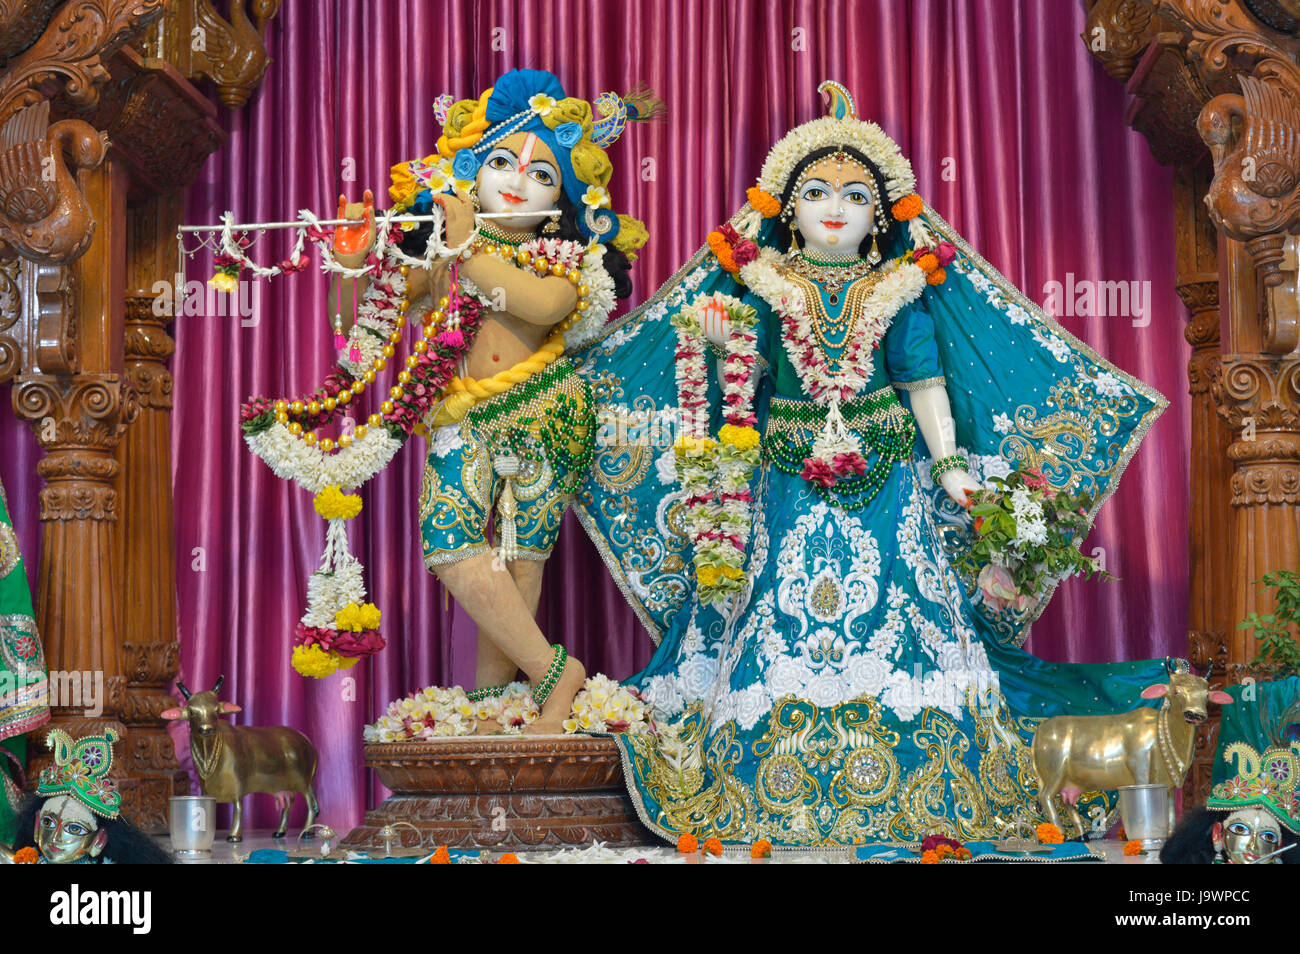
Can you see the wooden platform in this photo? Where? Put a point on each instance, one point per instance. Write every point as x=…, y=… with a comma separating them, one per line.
x=503, y=792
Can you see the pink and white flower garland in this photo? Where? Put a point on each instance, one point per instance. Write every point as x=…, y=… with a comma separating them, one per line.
x=715, y=474
x=900, y=287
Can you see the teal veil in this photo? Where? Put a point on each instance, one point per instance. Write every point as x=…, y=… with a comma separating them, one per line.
x=1023, y=390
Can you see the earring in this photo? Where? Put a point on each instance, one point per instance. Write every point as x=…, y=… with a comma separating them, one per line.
x=794, y=238
x=551, y=227
x=874, y=257
x=473, y=198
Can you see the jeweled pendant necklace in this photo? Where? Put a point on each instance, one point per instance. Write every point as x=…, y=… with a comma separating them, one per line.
x=832, y=273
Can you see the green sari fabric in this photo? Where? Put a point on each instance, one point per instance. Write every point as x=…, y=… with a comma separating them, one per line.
x=24, y=688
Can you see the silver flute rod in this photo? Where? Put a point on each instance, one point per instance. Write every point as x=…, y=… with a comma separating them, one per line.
x=395, y=218
x=1272, y=854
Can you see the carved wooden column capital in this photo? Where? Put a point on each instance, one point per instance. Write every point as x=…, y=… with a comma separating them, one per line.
x=1117, y=32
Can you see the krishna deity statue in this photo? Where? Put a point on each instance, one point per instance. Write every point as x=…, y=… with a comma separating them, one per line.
x=520, y=175
x=826, y=672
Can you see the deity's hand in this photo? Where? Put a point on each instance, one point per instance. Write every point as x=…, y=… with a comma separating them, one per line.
x=460, y=219
x=959, y=485
x=354, y=242
x=715, y=324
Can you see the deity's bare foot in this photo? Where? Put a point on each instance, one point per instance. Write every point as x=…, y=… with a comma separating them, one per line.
x=560, y=702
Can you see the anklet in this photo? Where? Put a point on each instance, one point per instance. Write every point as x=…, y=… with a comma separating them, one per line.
x=478, y=695
x=545, y=687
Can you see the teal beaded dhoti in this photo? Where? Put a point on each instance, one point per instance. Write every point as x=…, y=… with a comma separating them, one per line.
x=544, y=430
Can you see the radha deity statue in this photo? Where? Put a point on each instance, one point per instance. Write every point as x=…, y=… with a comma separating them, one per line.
x=521, y=174
x=825, y=673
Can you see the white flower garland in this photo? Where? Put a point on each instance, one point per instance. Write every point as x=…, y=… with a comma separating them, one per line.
x=900, y=287
x=292, y=458
x=376, y=320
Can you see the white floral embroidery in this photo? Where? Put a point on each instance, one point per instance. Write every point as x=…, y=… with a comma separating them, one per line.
x=1003, y=424
x=446, y=439
x=1054, y=345
x=1107, y=385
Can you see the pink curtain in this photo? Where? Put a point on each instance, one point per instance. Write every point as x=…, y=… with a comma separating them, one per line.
x=1018, y=139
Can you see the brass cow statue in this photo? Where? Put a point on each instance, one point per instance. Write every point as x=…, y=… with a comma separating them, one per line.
x=1077, y=754
x=235, y=760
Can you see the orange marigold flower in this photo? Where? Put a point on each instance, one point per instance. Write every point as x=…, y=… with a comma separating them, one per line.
x=762, y=202
x=26, y=856
x=761, y=849
x=928, y=262
x=509, y=858
x=713, y=846
x=721, y=250
x=929, y=858
x=688, y=844
x=963, y=854
x=442, y=856
x=1049, y=834
x=936, y=277
x=944, y=851
x=1132, y=847
x=908, y=207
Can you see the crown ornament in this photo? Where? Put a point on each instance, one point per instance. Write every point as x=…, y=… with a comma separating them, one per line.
x=80, y=770
x=1265, y=780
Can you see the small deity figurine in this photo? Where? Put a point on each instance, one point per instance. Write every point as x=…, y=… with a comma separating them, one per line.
x=73, y=818
x=521, y=175
x=1251, y=818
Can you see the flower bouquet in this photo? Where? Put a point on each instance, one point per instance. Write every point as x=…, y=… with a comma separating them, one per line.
x=1026, y=540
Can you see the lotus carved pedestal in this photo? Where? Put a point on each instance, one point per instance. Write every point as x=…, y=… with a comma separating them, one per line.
x=501, y=792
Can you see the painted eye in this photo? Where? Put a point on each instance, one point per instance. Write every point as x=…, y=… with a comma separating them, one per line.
x=47, y=822
x=499, y=162
x=814, y=194
x=74, y=829
x=1237, y=828
x=857, y=198
x=1269, y=836
x=543, y=176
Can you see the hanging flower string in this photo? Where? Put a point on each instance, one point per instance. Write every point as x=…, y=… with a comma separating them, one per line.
x=340, y=626
x=715, y=474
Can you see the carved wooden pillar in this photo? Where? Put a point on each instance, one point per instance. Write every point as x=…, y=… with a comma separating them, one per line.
x=79, y=404
x=150, y=652
x=1210, y=471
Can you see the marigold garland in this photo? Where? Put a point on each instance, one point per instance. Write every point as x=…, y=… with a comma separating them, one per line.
x=1132, y=848
x=761, y=849
x=1049, y=834
x=714, y=847
x=26, y=856
x=688, y=844
x=332, y=504
x=441, y=857
x=762, y=202
x=908, y=207
x=316, y=663
x=509, y=858
x=929, y=858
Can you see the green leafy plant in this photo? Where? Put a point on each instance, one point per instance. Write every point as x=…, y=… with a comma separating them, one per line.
x=1279, y=650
